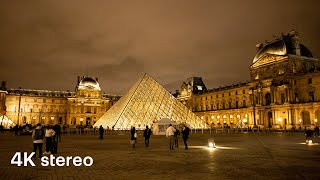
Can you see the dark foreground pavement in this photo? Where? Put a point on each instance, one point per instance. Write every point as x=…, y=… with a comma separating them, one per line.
x=237, y=156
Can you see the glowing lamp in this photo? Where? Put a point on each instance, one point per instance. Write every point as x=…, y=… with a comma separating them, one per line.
x=308, y=141
x=211, y=143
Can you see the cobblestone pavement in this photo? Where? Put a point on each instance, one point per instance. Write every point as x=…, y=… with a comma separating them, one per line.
x=237, y=156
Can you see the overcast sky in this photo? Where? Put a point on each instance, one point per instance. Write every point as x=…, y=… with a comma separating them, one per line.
x=47, y=44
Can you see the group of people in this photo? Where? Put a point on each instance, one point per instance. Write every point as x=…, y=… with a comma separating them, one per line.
x=311, y=133
x=172, y=134
x=52, y=135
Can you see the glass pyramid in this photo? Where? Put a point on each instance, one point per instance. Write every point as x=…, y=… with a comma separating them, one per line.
x=147, y=102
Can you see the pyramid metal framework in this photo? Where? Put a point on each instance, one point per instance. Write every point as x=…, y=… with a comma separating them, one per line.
x=147, y=102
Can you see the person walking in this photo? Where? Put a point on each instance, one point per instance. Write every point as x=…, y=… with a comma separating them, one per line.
x=133, y=139
x=49, y=138
x=101, y=131
x=185, y=136
x=146, y=134
x=170, y=134
x=176, y=140
x=37, y=137
x=57, y=129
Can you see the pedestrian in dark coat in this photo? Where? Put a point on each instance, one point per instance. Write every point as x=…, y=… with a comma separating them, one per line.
x=101, y=131
x=185, y=135
x=146, y=134
x=133, y=139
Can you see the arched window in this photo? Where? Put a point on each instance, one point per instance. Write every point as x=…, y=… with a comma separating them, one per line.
x=268, y=99
x=305, y=118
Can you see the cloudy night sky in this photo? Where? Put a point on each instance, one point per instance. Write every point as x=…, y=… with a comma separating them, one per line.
x=46, y=45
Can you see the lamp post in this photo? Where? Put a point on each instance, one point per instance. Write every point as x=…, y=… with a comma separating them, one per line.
x=315, y=122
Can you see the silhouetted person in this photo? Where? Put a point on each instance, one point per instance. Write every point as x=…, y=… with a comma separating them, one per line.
x=185, y=136
x=316, y=131
x=146, y=134
x=176, y=140
x=101, y=131
x=309, y=135
x=49, y=134
x=57, y=129
x=37, y=137
x=170, y=134
x=133, y=138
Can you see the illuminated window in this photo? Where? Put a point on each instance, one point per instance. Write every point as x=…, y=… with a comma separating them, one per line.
x=281, y=71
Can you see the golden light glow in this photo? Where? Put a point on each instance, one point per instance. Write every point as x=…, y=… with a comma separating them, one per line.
x=146, y=103
x=211, y=144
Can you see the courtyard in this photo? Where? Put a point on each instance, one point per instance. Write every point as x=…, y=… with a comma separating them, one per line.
x=271, y=155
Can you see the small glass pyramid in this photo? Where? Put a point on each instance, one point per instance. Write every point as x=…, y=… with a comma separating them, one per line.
x=147, y=102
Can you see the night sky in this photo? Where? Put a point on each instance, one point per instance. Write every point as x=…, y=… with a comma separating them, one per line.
x=46, y=45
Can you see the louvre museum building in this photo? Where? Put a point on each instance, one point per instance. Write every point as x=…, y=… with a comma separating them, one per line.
x=283, y=93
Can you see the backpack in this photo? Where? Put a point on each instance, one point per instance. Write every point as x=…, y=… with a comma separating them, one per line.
x=38, y=134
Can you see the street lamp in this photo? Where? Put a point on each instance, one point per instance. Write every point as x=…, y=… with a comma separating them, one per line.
x=315, y=121
x=81, y=119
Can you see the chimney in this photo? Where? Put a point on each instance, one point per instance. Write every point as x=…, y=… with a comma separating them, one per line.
x=3, y=85
x=259, y=46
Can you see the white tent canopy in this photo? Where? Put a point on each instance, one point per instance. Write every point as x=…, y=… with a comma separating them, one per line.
x=160, y=127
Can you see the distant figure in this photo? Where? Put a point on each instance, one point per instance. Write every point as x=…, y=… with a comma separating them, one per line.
x=37, y=137
x=185, y=136
x=176, y=139
x=57, y=129
x=316, y=131
x=16, y=129
x=101, y=132
x=1, y=128
x=170, y=134
x=133, y=139
x=146, y=134
x=309, y=135
x=49, y=138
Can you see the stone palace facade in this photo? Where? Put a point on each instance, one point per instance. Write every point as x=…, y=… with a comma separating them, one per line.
x=283, y=91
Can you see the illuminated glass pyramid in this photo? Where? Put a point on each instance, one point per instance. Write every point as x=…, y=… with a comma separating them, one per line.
x=147, y=102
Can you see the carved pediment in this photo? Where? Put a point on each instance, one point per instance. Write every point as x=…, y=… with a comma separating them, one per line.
x=266, y=59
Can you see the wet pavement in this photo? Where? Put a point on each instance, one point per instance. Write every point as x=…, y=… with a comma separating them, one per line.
x=237, y=156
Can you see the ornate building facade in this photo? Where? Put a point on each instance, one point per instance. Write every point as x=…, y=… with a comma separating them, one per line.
x=84, y=106
x=283, y=91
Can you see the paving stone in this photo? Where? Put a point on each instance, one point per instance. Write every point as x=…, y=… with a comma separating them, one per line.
x=237, y=156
